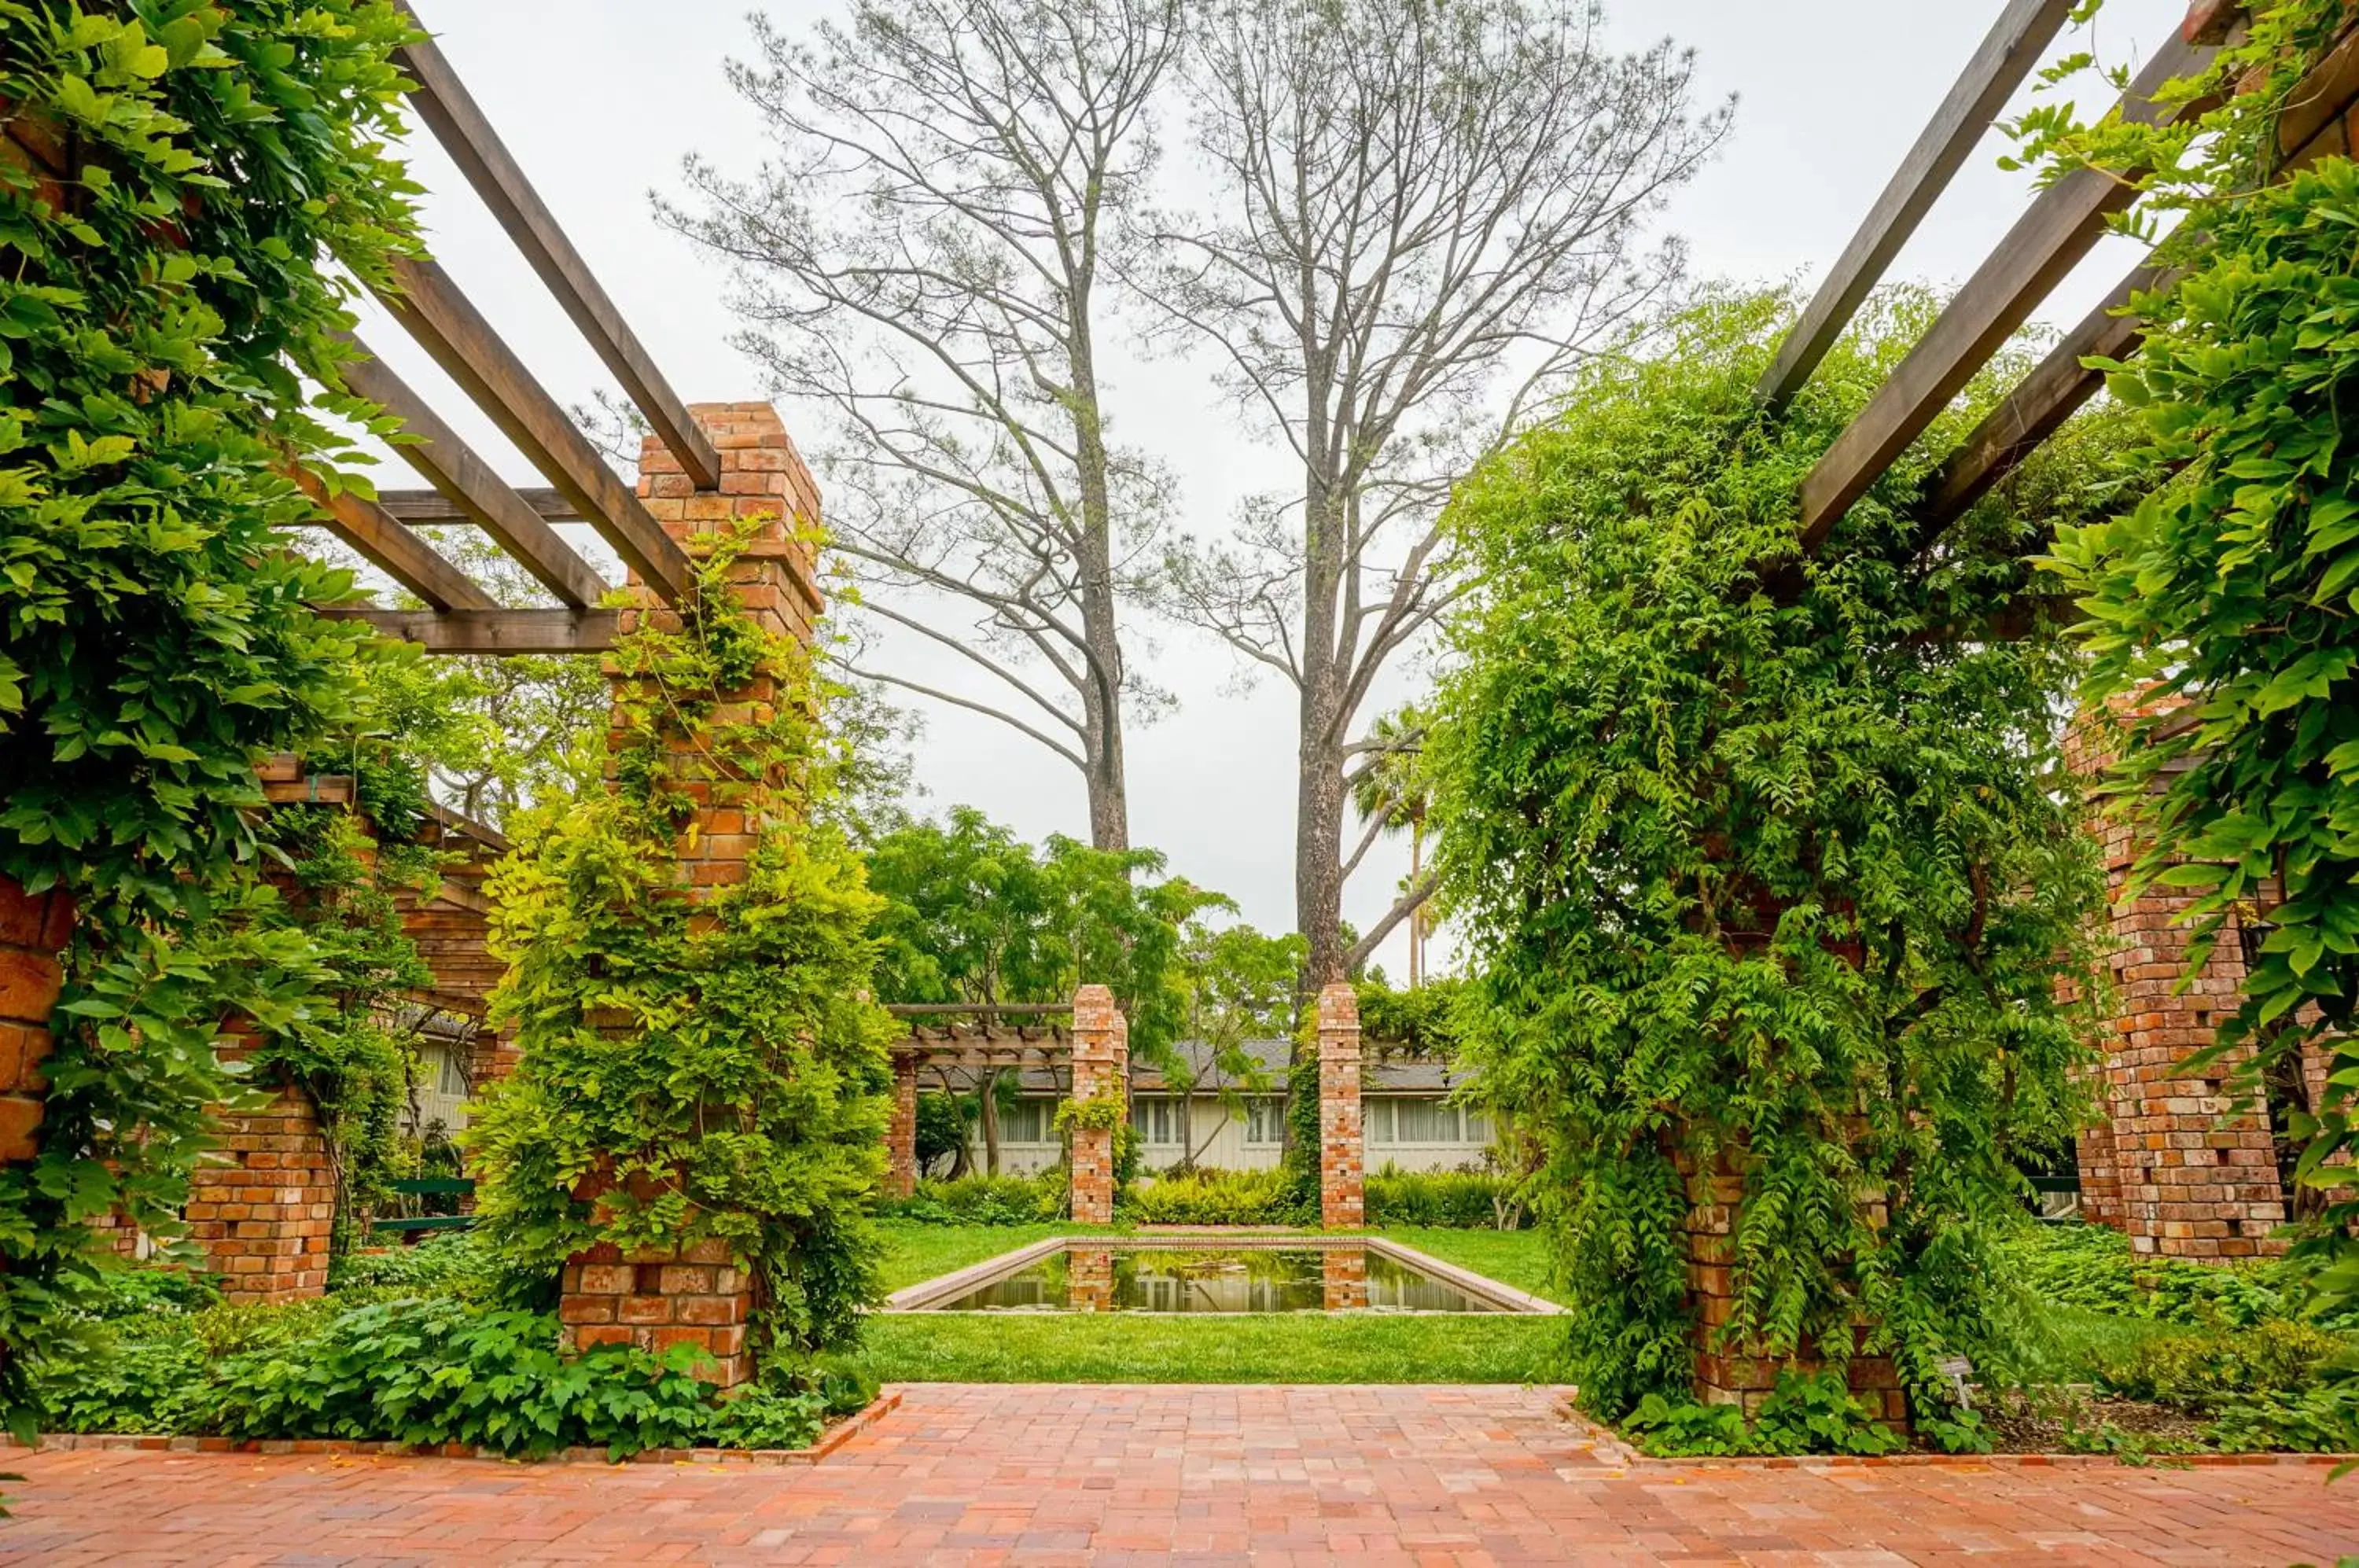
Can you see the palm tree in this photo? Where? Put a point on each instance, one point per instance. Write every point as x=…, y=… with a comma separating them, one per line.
x=1391, y=792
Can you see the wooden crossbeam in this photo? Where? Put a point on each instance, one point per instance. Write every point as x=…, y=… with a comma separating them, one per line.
x=2067, y=220
x=432, y=308
x=392, y=549
x=443, y=102
x=431, y=509
x=497, y=631
x=470, y=490
x=2005, y=60
x=2034, y=410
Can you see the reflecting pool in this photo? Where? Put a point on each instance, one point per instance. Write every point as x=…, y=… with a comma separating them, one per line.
x=1088, y=1278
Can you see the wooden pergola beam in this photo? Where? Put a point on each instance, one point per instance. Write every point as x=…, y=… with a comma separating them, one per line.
x=2005, y=59
x=433, y=509
x=497, y=633
x=469, y=490
x=392, y=549
x=450, y=111
x=2064, y=224
x=432, y=308
x=2034, y=410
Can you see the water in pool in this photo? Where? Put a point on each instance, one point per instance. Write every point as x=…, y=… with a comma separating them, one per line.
x=1271, y=1279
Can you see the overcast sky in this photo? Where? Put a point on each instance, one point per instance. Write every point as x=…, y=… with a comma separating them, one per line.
x=601, y=99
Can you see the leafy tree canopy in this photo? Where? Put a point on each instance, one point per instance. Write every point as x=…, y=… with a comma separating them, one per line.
x=974, y=914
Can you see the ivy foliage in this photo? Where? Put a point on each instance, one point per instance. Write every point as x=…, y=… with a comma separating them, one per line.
x=173, y=173
x=698, y=1063
x=2223, y=609
x=1766, y=863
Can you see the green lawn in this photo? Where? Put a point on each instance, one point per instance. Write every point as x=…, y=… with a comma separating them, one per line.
x=922, y=1347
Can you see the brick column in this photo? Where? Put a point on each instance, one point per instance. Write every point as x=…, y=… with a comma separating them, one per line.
x=701, y=1294
x=34, y=930
x=1728, y=1373
x=901, y=1132
x=2170, y=1168
x=1097, y=1034
x=1342, y=1158
x=263, y=1206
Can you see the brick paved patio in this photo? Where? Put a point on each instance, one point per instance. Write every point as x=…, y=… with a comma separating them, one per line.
x=1047, y=1475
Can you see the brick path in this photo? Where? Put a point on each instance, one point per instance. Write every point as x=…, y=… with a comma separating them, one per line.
x=1047, y=1475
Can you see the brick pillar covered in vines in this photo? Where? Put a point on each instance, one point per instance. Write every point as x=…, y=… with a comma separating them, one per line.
x=2176, y=1164
x=701, y=1294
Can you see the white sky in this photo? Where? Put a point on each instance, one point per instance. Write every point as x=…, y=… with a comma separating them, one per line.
x=601, y=99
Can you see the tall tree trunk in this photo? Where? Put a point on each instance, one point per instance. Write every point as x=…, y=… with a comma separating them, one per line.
x=1101, y=669
x=991, y=1122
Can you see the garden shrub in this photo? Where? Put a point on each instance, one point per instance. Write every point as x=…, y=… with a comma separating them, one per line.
x=374, y=1364
x=984, y=1200
x=1815, y=1414
x=695, y=1069
x=1215, y=1198
x=1766, y=861
x=161, y=326
x=1455, y=1200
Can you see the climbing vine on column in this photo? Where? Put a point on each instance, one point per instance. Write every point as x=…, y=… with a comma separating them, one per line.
x=698, y=1063
x=1766, y=864
x=172, y=174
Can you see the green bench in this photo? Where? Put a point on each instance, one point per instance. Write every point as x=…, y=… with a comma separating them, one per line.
x=427, y=1225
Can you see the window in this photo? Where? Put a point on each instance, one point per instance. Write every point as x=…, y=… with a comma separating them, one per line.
x=1162, y=1123
x=1423, y=1119
x=1027, y=1121
x=452, y=1079
x=1265, y=1122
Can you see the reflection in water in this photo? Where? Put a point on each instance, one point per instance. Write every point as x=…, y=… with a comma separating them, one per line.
x=1097, y=1279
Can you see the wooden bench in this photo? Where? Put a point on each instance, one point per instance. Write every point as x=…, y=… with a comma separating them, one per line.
x=427, y=1225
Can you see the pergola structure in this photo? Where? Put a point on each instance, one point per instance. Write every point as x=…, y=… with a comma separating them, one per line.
x=430, y=305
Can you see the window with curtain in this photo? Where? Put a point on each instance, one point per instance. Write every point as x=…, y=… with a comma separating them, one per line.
x=1027, y=1121
x=1265, y=1122
x=1423, y=1119
x=1162, y=1123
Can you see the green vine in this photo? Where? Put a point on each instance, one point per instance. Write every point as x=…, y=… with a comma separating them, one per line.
x=1768, y=863
x=2223, y=610
x=1102, y=1113
x=162, y=305
x=695, y=1067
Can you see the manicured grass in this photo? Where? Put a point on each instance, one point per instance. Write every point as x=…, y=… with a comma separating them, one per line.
x=1518, y=1258
x=929, y=1347
x=917, y=1252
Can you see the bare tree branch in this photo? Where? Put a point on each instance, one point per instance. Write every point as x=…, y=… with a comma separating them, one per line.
x=919, y=264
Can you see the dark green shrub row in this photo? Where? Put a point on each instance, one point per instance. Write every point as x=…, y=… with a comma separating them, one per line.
x=985, y=1200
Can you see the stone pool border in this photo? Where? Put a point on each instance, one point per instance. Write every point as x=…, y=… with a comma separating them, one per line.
x=921, y=1297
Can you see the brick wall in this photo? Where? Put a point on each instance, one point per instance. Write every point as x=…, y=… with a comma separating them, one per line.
x=1342, y=1156
x=2170, y=1165
x=702, y=1295
x=263, y=1203
x=1097, y=1049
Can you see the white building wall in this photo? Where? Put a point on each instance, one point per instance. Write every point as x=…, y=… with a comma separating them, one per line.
x=1223, y=1139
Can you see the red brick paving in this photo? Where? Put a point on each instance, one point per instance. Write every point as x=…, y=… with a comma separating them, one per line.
x=1276, y=1476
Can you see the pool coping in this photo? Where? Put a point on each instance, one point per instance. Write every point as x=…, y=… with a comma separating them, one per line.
x=1504, y=1299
